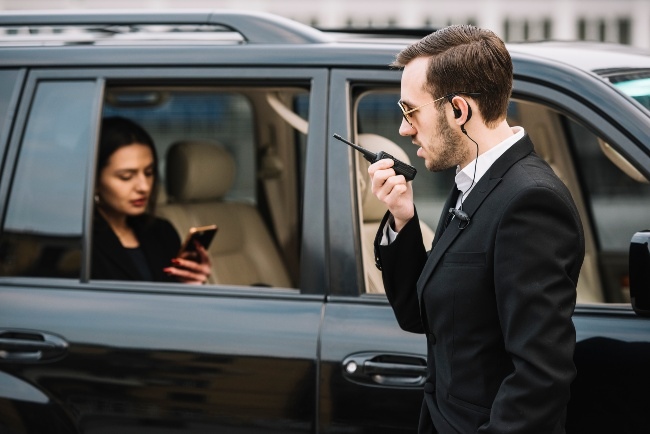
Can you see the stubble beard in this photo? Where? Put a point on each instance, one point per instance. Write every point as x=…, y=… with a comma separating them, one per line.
x=449, y=151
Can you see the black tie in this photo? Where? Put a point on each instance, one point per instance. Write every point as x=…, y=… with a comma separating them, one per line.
x=445, y=217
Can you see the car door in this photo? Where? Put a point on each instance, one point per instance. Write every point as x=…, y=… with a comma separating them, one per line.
x=372, y=372
x=86, y=356
x=377, y=365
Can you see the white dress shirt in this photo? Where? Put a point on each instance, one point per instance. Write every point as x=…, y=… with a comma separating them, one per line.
x=466, y=178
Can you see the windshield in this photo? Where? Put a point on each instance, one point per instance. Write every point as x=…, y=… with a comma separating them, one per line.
x=635, y=85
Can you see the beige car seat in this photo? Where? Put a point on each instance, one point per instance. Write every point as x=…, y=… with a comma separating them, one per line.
x=373, y=209
x=198, y=176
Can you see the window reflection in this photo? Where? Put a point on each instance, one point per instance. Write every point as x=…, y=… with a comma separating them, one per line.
x=43, y=225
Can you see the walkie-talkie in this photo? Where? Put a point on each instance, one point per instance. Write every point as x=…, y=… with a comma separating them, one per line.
x=400, y=167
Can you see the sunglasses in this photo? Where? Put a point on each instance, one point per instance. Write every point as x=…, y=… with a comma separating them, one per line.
x=406, y=112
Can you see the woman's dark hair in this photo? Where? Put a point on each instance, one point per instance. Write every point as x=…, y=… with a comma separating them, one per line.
x=118, y=132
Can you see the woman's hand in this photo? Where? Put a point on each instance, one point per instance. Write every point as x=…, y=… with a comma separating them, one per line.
x=191, y=267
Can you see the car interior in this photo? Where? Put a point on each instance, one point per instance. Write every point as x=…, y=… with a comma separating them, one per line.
x=234, y=156
x=228, y=158
x=600, y=179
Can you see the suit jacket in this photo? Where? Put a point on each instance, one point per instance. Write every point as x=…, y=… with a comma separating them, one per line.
x=495, y=301
x=158, y=240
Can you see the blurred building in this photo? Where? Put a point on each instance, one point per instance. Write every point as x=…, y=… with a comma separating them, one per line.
x=624, y=21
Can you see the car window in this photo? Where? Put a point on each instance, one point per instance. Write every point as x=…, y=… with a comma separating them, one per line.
x=611, y=196
x=378, y=113
x=44, y=220
x=618, y=203
x=635, y=84
x=258, y=212
x=599, y=187
x=7, y=83
x=171, y=116
x=378, y=118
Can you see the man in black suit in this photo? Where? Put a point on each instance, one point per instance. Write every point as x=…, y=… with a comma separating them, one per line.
x=496, y=292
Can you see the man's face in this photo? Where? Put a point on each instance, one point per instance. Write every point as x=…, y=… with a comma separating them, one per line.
x=433, y=130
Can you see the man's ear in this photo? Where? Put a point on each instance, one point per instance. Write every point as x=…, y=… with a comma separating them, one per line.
x=462, y=111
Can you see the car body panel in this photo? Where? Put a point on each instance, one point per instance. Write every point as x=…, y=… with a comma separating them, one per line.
x=172, y=356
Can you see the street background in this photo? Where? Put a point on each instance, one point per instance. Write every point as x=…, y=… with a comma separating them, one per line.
x=624, y=21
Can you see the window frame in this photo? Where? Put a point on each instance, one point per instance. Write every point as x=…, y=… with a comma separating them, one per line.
x=313, y=247
x=346, y=272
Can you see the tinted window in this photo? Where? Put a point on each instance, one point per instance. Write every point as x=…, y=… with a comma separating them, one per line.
x=43, y=225
x=620, y=205
x=7, y=84
x=612, y=202
x=635, y=85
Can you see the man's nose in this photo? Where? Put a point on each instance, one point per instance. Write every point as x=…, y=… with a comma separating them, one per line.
x=406, y=129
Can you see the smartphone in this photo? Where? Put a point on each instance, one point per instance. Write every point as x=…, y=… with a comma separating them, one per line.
x=202, y=234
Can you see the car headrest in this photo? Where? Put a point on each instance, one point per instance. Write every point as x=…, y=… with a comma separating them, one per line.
x=373, y=208
x=198, y=171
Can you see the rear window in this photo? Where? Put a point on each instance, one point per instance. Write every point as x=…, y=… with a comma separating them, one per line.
x=635, y=85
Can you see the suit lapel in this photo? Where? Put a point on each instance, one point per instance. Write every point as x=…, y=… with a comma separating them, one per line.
x=452, y=198
x=476, y=197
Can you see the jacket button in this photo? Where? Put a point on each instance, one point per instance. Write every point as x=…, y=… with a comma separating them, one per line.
x=429, y=387
x=432, y=339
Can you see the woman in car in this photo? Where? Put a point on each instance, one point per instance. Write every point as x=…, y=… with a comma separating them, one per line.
x=129, y=242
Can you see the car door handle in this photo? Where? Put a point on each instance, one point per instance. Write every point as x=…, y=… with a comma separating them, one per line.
x=31, y=346
x=386, y=369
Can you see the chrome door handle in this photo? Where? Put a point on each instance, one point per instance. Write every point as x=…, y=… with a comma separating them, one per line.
x=30, y=346
x=386, y=369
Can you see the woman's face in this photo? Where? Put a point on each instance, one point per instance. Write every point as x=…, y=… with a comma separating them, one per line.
x=125, y=183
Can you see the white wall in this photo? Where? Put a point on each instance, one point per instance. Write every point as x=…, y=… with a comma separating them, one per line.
x=626, y=21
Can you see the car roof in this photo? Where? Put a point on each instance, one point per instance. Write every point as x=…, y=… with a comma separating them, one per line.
x=596, y=57
x=187, y=37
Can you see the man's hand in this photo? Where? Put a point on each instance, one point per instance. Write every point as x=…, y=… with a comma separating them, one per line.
x=393, y=190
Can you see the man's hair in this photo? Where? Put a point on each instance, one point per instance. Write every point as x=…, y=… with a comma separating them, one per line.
x=465, y=58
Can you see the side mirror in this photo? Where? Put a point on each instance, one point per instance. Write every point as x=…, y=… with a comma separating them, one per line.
x=640, y=272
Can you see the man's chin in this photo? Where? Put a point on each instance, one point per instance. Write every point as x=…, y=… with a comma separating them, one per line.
x=432, y=167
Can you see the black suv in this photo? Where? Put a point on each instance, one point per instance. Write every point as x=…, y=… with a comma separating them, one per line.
x=293, y=333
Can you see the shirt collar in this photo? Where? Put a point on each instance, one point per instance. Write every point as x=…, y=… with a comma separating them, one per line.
x=466, y=178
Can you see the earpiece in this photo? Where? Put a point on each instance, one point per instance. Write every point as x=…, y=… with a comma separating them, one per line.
x=458, y=113
x=469, y=115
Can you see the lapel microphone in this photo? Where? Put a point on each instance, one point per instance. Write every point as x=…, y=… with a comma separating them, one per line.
x=459, y=214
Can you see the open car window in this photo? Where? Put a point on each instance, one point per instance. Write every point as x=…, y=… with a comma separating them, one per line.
x=258, y=209
x=601, y=181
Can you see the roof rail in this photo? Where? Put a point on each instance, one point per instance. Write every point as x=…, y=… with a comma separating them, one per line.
x=254, y=27
x=388, y=32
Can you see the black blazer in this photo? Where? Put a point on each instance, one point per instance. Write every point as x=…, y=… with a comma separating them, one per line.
x=495, y=300
x=158, y=240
